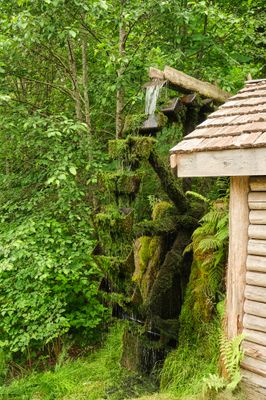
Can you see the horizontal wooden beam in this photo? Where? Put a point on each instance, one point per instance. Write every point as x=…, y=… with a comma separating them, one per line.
x=258, y=184
x=256, y=279
x=254, y=323
x=237, y=162
x=257, y=231
x=255, y=336
x=257, y=200
x=254, y=350
x=257, y=247
x=255, y=308
x=256, y=293
x=256, y=263
x=187, y=83
x=257, y=217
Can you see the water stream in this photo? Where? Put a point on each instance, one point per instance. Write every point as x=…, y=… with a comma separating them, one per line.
x=152, y=94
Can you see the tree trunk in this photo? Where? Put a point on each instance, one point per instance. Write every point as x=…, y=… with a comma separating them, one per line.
x=85, y=82
x=73, y=68
x=120, y=95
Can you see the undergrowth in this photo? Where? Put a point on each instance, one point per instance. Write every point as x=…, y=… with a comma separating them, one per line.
x=99, y=376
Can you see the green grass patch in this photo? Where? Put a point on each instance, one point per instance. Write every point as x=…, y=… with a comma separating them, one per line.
x=99, y=376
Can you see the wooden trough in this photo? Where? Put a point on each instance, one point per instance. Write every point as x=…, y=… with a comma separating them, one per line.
x=232, y=142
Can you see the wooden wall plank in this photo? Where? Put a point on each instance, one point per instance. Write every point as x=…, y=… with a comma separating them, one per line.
x=257, y=217
x=257, y=197
x=255, y=336
x=255, y=308
x=256, y=279
x=254, y=365
x=255, y=293
x=254, y=350
x=257, y=232
x=257, y=247
x=254, y=378
x=254, y=323
x=236, y=272
x=257, y=205
x=256, y=263
x=258, y=183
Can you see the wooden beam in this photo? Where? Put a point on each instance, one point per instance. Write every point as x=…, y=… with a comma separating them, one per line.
x=256, y=279
x=257, y=217
x=254, y=365
x=258, y=183
x=236, y=272
x=255, y=308
x=255, y=293
x=256, y=263
x=237, y=162
x=257, y=200
x=187, y=83
x=255, y=336
x=155, y=73
x=254, y=350
x=254, y=323
x=257, y=247
x=257, y=231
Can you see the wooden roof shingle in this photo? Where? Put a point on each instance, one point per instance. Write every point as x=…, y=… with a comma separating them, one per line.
x=238, y=123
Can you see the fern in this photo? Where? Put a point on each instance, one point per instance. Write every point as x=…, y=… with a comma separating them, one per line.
x=232, y=356
x=209, y=245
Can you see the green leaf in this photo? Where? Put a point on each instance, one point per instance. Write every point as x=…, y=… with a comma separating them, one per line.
x=73, y=170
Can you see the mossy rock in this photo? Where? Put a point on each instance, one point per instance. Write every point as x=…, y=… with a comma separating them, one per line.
x=131, y=149
x=163, y=209
x=133, y=123
x=128, y=183
x=139, y=353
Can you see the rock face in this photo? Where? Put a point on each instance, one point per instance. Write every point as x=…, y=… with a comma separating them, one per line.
x=160, y=276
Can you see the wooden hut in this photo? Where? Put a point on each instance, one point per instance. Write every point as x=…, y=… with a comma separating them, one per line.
x=232, y=142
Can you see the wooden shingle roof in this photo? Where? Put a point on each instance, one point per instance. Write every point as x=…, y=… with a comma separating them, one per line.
x=237, y=124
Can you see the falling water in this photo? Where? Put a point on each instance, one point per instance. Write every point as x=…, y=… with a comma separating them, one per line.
x=152, y=94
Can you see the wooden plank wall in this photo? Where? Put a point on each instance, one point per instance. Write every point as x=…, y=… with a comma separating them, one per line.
x=254, y=320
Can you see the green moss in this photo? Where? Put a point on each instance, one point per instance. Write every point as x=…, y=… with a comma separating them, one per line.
x=163, y=209
x=133, y=123
x=132, y=149
x=143, y=256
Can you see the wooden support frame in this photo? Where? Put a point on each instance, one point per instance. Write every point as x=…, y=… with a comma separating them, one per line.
x=238, y=242
x=235, y=162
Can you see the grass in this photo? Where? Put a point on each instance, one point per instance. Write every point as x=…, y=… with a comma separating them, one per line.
x=99, y=376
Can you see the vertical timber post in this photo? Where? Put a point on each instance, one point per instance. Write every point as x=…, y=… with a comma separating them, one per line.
x=238, y=242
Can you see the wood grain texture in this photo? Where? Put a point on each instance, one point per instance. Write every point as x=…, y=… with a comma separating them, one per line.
x=257, y=232
x=255, y=308
x=254, y=350
x=256, y=279
x=254, y=365
x=258, y=183
x=254, y=323
x=235, y=162
x=255, y=336
x=236, y=272
x=256, y=263
x=254, y=378
x=173, y=161
x=257, y=247
x=188, y=83
x=255, y=293
x=257, y=217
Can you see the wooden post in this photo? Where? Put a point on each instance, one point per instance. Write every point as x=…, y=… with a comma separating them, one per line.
x=238, y=241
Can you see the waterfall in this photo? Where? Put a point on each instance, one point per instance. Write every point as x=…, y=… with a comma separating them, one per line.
x=152, y=94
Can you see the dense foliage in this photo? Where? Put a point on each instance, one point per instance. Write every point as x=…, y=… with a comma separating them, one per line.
x=71, y=79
